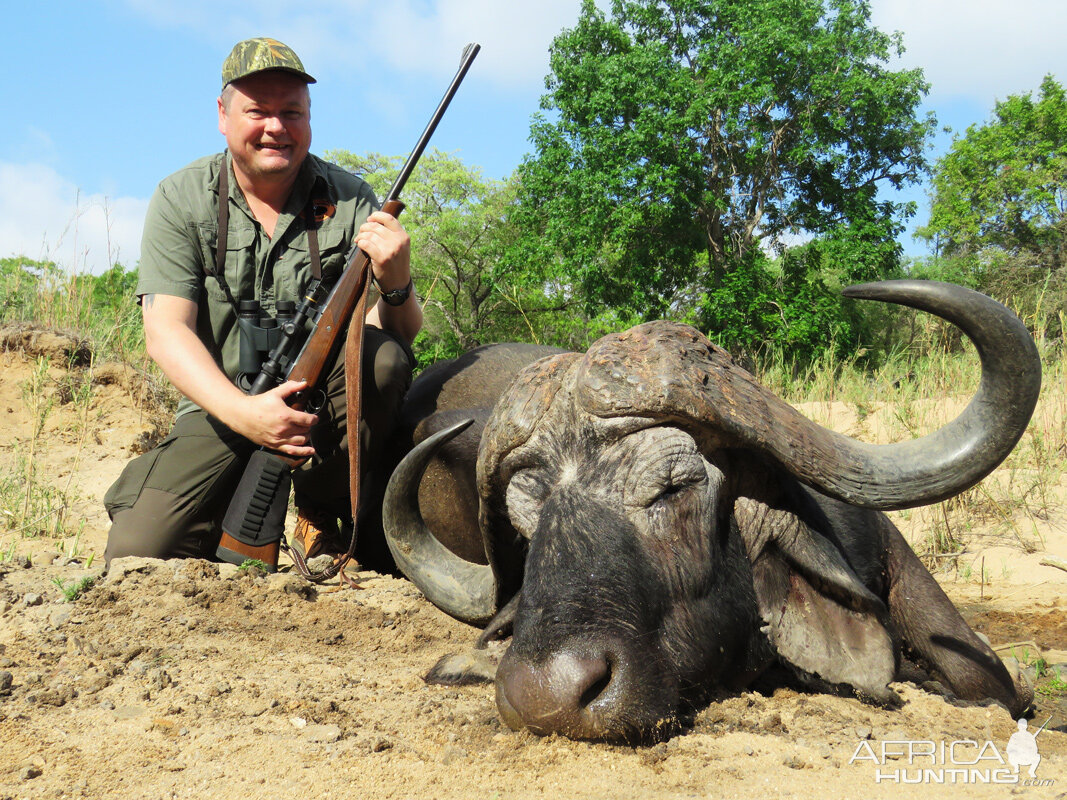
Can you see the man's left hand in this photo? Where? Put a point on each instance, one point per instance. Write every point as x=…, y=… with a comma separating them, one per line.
x=384, y=239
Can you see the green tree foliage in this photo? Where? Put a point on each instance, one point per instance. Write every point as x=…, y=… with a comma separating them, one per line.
x=20, y=283
x=462, y=243
x=999, y=210
x=114, y=289
x=683, y=140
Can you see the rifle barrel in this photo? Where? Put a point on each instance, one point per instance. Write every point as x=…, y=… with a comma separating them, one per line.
x=469, y=54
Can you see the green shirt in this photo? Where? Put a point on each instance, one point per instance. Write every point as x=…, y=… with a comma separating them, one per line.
x=181, y=231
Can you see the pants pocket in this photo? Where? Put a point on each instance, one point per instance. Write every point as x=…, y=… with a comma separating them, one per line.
x=125, y=491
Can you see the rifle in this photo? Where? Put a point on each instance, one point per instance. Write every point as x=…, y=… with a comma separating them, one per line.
x=253, y=525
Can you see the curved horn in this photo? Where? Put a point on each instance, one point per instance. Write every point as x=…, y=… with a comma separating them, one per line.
x=675, y=373
x=462, y=589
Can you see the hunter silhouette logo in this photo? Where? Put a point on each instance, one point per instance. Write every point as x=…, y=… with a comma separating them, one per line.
x=1022, y=748
x=923, y=761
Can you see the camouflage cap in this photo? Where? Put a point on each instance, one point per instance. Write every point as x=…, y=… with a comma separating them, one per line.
x=259, y=55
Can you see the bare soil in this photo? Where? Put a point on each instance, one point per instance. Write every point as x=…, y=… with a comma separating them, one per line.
x=187, y=679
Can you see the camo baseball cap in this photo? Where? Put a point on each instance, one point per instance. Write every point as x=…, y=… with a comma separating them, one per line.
x=259, y=55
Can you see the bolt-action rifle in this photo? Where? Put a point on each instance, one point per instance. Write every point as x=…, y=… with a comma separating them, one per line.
x=253, y=524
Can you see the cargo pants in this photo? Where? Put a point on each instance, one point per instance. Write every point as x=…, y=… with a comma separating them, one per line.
x=170, y=501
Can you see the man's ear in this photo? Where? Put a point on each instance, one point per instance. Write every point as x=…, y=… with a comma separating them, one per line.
x=820, y=617
x=222, y=116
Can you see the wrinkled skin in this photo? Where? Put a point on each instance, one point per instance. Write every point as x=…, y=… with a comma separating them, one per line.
x=649, y=540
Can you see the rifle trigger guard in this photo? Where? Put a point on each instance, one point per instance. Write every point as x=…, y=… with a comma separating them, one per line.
x=316, y=402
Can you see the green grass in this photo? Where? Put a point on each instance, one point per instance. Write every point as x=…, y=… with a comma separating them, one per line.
x=1055, y=686
x=75, y=589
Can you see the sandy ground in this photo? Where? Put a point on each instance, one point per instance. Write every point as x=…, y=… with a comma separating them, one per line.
x=184, y=679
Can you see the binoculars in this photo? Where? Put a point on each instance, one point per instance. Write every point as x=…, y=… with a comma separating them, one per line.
x=259, y=335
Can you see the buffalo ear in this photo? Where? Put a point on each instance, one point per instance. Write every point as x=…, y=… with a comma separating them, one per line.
x=819, y=616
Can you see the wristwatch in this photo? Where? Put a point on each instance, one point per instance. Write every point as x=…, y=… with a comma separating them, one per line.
x=397, y=297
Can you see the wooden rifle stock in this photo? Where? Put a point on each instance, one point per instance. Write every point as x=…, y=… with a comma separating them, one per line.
x=254, y=521
x=326, y=338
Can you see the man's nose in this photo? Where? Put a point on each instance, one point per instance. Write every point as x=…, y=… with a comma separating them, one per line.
x=273, y=124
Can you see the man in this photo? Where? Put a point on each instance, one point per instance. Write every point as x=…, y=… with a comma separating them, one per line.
x=257, y=222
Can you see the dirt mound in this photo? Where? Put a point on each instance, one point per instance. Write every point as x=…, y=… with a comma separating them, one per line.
x=36, y=341
x=186, y=679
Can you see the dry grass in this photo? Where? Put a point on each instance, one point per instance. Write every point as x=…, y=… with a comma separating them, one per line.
x=911, y=394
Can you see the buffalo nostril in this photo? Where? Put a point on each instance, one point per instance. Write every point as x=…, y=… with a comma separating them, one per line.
x=597, y=677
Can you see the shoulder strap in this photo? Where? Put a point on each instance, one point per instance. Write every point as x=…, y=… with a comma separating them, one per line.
x=312, y=219
x=219, y=271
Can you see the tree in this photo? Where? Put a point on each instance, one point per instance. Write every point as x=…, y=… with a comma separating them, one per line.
x=682, y=140
x=1000, y=202
x=460, y=234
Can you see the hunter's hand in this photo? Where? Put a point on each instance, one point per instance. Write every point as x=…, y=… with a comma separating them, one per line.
x=267, y=420
x=384, y=239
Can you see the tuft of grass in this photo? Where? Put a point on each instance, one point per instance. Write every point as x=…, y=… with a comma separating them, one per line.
x=31, y=507
x=1055, y=686
x=250, y=564
x=75, y=589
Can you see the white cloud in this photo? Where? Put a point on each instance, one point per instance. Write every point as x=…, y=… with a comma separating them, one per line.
x=43, y=216
x=514, y=36
x=408, y=36
x=979, y=50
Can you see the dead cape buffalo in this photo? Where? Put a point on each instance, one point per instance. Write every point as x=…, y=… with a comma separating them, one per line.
x=655, y=524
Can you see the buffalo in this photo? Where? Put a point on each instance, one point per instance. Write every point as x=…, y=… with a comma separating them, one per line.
x=652, y=525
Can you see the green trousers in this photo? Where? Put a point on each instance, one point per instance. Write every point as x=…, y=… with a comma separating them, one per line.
x=169, y=502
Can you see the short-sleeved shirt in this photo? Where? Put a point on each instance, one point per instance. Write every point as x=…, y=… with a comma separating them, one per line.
x=181, y=232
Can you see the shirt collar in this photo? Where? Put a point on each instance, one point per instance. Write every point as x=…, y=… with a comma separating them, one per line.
x=311, y=178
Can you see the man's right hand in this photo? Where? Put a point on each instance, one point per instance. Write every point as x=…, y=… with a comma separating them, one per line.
x=267, y=420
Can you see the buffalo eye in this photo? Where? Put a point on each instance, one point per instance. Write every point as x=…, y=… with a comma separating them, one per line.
x=666, y=478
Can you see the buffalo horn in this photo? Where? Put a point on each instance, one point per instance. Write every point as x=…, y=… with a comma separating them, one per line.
x=682, y=376
x=460, y=588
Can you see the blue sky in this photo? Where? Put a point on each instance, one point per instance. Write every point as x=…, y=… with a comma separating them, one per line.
x=106, y=97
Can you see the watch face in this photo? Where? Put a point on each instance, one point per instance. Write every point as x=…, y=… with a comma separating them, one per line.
x=397, y=297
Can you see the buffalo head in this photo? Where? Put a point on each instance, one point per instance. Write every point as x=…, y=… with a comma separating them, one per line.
x=662, y=525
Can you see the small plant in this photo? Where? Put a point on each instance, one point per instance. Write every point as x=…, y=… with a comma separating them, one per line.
x=1040, y=666
x=253, y=564
x=1055, y=686
x=74, y=589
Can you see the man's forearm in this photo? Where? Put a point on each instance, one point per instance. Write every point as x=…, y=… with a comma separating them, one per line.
x=403, y=320
x=189, y=366
x=266, y=419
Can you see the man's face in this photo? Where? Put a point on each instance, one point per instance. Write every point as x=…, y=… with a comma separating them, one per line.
x=266, y=120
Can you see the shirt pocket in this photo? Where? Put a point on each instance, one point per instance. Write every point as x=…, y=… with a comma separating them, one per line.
x=333, y=247
x=239, y=263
